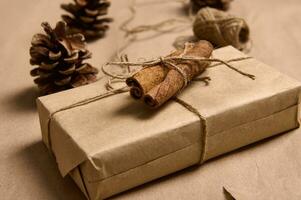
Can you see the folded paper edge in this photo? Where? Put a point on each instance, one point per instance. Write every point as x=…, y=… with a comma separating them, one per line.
x=65, y=173
x=126, y=173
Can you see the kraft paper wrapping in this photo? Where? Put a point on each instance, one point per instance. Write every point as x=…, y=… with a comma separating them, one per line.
x=116, y=143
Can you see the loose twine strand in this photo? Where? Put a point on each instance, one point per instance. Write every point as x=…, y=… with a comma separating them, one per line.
x=159, y=27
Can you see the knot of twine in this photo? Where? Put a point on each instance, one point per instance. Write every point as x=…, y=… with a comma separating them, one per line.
x=221, y=28
x=178, y=69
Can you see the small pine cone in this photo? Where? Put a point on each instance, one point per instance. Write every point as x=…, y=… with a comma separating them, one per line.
x=87, y=17
x=218, y=4
x=60, y=57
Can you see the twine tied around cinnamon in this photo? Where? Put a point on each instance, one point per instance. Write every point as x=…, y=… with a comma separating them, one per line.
x=166, y=61
x=169, y=61
x=160, y=79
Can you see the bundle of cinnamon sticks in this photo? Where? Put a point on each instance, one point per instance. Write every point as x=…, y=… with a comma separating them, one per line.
x=157, y=84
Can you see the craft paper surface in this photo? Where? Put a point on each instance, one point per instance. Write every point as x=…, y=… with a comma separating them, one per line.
x=270, y=168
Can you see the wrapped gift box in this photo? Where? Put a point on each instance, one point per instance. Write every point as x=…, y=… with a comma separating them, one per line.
x=117, y=143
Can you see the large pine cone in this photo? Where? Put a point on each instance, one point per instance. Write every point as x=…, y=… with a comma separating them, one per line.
x=59, y=57
x=218, y=4
x=87, y=17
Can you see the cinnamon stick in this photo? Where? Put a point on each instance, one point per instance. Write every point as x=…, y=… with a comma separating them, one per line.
x=159, y=83
x=145, y=80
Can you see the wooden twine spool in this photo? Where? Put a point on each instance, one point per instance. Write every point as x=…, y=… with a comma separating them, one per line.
x=221, y=28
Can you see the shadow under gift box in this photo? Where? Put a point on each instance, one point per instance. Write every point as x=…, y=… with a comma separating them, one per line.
x=116, y=143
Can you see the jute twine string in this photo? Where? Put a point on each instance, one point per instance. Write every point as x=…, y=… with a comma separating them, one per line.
x=172, y=62
x=173, y=59
x=203, y=125
x=158, y=27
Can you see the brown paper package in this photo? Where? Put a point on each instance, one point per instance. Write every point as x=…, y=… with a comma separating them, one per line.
x=116, y=143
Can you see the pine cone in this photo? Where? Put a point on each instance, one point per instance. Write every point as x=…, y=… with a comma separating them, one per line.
x=59, y=57
x=218, y=4
x=86, y=17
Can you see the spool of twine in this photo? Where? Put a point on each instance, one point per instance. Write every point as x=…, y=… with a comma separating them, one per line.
x=221, y=28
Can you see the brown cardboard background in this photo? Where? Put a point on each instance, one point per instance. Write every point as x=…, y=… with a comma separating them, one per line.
x=27, y=171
